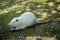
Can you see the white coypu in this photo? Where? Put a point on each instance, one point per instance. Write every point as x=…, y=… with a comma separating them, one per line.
x=25, y=20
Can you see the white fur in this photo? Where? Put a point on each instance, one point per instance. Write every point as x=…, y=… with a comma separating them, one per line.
x=25, y=20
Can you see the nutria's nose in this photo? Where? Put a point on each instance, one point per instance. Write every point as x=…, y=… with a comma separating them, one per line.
x=9, y=25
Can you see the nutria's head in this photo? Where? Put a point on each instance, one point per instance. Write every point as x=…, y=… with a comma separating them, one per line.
x=14, y=24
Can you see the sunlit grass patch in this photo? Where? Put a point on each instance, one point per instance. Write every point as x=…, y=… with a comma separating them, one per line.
x=40, y=38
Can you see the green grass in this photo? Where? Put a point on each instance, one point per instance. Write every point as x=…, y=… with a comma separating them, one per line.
x=14, y=8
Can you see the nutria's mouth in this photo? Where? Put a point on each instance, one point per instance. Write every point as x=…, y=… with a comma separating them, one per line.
x=12, y=28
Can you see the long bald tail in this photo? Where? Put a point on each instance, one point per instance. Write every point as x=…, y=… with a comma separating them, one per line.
x=47, y=21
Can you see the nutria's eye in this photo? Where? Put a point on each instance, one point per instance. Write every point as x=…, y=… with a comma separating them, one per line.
x=17, y=20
